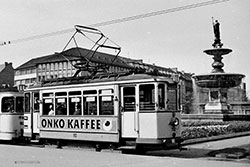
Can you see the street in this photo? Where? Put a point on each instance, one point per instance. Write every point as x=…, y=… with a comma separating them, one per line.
x=14, y=155
x=201, y=149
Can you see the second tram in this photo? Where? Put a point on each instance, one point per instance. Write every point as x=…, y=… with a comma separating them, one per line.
x=135, y=110
x=11, y=114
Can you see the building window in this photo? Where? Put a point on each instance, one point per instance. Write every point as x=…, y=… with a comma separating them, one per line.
x=17, y=82
x=56, y=66
x=69, y=69
x=39, y=70
x=65, y=69
x=17, y=72
x=22, y=82
x=33, y=70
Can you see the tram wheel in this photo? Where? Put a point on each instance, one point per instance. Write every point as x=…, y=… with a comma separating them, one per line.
x=98, y=148
x=111, y=147
x=59, y=144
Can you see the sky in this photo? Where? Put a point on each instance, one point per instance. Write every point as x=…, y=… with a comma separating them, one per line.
x=175, y=39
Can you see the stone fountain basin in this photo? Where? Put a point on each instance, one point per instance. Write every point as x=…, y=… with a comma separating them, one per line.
x=218, y=51
x=218, y=80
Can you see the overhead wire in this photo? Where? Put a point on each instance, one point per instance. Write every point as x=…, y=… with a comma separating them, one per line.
x=116, y=21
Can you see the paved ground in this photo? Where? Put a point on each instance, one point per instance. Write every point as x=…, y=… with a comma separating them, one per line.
x=196, y=155
x=206, y=149
x=233, y=142
x=19, y=156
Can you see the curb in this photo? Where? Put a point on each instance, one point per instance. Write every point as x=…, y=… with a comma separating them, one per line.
x=214, y=138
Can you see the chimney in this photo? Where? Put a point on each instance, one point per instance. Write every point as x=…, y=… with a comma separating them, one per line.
x=7, y=64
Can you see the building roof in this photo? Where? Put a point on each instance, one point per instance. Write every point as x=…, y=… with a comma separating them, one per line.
x=75, y=54
x=97, y=57
x=2, y=66
x=45, y=59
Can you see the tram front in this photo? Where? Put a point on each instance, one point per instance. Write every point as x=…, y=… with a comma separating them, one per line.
x=150, y=114
x=11, y=115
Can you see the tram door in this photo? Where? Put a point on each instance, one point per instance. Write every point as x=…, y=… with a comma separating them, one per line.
x=129, y=112
x=31, y=115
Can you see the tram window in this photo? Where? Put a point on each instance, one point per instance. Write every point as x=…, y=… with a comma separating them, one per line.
x=106, y=105
x=172, y=97
x=8, y=104
x=19, y=104
x=161, y=96
x=75, y=93
x=129, y=98
x=61, y=93
x=106, y=91
x=90, y=105
x=36, y=102
x=48, y=95
x=147, y=97
x=75, y=106
x=88, y=92
x=61, y=106
x=48, y=106
x=27, y=102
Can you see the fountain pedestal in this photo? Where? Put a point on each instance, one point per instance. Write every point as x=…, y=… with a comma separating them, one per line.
x=216, y=108
x=217, y=102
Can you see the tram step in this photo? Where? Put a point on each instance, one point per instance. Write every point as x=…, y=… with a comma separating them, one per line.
x=34, y=141
x=126, y=148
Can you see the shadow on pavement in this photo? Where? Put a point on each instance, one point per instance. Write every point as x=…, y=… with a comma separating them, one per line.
x=240, y=154
x=189, y=153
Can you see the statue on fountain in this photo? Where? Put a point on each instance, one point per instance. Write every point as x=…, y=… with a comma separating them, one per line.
x=217, y=41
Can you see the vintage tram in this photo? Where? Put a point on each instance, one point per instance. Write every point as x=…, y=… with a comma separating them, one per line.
x=136, y=110
x=11, y=114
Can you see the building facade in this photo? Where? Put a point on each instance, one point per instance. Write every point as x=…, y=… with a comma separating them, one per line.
x=65, y=64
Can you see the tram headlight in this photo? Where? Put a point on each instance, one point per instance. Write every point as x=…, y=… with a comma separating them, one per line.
x=174, y=121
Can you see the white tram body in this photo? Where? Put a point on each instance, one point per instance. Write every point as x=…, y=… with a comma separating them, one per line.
x=11, y=114
x=138, y=108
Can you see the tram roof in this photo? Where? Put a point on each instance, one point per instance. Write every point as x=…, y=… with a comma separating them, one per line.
x=8, y=89
x=107, y=78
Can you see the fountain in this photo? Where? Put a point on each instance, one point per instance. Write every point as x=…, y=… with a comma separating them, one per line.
x=218, y=82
